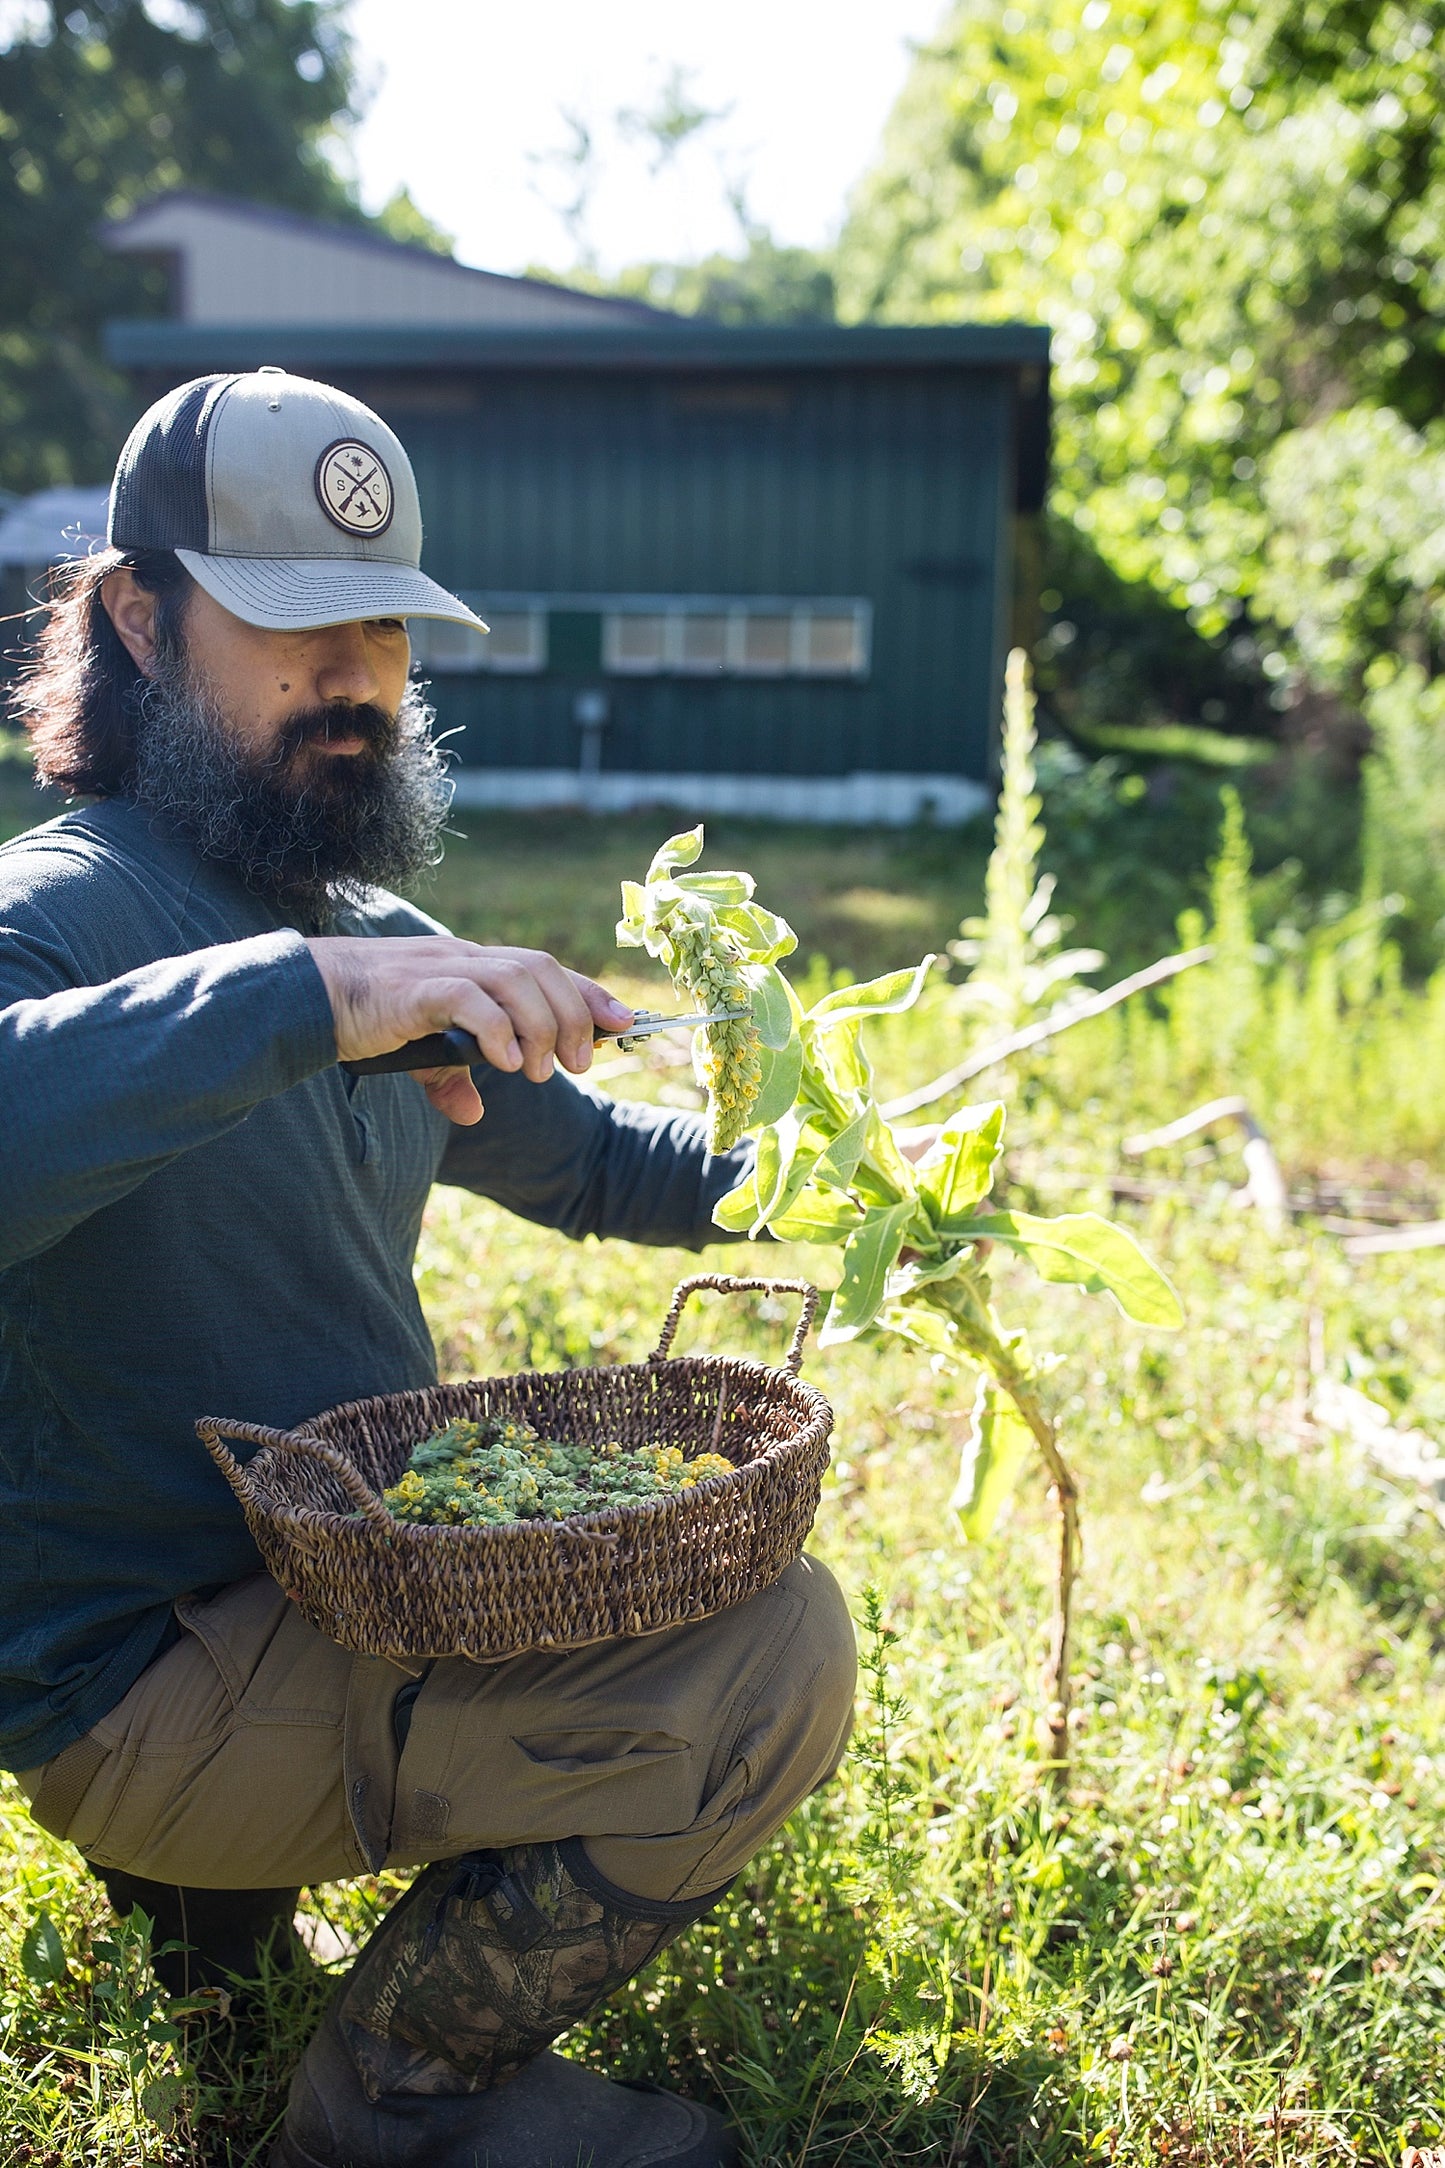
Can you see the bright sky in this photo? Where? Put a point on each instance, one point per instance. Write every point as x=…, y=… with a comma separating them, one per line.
x=470, y=97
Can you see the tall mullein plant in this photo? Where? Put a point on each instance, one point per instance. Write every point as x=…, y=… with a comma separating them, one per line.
x=1017, y=967
x=917, y=1241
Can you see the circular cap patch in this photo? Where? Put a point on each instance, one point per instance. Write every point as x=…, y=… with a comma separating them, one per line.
x=354, y=488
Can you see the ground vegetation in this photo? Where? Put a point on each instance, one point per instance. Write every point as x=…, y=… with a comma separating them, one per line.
x=1227, y=1944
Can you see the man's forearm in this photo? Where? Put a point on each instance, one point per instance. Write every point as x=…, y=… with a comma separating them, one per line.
x=102, y=1085
x=569, y=1158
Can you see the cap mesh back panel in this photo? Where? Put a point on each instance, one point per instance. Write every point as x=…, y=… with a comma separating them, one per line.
x=158, y=499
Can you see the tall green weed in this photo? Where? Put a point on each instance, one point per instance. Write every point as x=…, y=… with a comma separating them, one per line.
x=1404, y=805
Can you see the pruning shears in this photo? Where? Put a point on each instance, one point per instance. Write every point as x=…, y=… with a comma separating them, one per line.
x=457, y=1049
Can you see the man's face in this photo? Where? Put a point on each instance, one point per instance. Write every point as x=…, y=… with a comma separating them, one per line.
x=299, y=699
x=304, y=760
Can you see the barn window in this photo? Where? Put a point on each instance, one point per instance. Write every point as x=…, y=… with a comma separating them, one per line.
x=436, y=645
x=833, y=645
x=516, y=641
x=634, y=642
x=702, y=641
x=652, y=636
x=705, y=636
x=767, y=642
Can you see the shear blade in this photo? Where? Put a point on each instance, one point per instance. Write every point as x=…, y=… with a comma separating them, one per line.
x=644, y=1025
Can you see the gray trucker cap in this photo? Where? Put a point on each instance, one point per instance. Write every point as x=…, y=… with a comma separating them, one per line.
x=289, y=502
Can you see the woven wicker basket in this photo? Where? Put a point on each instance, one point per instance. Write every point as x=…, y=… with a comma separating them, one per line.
x=387, y=1588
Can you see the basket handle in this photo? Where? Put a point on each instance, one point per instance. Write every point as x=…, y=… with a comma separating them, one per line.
x=210, y=1430
x=725, y=1284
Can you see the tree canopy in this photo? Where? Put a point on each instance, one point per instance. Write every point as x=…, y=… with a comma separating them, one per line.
x=1232, y=214
x=101, y=105
x=769, y=282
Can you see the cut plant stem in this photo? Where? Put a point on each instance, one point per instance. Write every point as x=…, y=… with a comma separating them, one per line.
x=966, y=1303
x=1057, y=1687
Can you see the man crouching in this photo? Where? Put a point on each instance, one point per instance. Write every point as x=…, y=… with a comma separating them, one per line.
x=203, y=1210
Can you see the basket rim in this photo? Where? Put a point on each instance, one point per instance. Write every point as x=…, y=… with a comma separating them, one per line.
x=608, y=1523
x=648, y=1367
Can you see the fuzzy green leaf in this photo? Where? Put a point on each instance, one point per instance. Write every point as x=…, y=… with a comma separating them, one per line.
x=761, y=936
x=679, y=850
x=925, y=1327
x=42, y=1954
x=631, y=927
x=718, y=888
x=958, y=1170
x=839, y=1163
x=896, y=990
x=993, y=1453
x=867, y=1260
x=788, y=1151
x=774, y=1013
x=839, y=1053
x=160, y=2099
x=883, y=1159
x=818, y=1215
x=1082, y=1250
x=782, y=1072
x=926, y=1271
x=738, y=1210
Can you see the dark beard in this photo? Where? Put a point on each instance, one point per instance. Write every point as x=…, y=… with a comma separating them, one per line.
x=306, y=829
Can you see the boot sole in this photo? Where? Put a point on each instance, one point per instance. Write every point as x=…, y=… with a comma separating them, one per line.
x=287, y=2154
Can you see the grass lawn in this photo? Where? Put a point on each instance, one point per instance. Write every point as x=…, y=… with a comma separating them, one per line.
x=1228, y=1944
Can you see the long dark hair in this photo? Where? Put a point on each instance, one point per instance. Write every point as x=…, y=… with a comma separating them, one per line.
x=78, y=691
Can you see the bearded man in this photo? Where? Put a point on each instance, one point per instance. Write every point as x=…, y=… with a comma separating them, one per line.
x=203, y=1211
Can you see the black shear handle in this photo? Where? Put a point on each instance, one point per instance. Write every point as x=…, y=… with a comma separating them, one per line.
x=453, y=1049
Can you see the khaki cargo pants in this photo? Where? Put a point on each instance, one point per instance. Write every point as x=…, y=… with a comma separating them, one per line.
x=256, y=1754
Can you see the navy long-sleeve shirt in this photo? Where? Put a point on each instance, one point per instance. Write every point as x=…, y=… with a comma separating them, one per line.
x=201, y=1214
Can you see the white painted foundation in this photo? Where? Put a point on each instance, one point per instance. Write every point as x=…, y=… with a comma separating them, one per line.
x=860, y=800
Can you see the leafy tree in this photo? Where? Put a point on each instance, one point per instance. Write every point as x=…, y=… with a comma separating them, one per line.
x=402, y=220
x=1233, y=217
x=768, y=283
x=101, y=105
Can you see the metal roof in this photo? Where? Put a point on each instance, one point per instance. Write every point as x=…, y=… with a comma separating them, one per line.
x=235, y=262
x=664, y=342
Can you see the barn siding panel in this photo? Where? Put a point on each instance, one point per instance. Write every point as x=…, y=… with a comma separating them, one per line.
x=890, y=484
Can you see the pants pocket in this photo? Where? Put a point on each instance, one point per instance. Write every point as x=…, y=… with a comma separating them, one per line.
x=598, y=1754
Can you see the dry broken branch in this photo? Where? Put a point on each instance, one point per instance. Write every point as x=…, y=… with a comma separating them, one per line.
x=1426, y=1235
x=1019, y=1042
x=1264, y=1184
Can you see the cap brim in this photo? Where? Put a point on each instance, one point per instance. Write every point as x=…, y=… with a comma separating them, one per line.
x=299, y=594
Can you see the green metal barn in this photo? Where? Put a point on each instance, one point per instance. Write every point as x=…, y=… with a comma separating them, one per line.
x=761, y=570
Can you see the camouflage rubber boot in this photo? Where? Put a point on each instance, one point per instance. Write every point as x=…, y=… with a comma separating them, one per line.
x=433, y=2055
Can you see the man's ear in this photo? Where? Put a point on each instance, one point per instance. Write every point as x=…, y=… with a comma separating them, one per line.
x=131, y=608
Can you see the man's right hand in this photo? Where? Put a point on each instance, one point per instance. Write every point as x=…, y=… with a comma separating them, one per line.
x=525, y=1009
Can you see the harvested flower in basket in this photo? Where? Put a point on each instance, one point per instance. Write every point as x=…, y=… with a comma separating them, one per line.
x=478, y=1474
